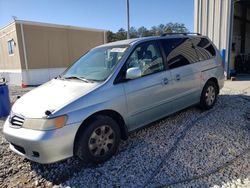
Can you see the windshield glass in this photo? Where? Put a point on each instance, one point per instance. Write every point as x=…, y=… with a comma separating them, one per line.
x=97, y=64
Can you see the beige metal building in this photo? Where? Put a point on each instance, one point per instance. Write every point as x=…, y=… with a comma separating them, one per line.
x=227, y=23
x=32, y=53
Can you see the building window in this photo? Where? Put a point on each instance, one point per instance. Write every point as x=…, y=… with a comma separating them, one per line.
x=11, y=44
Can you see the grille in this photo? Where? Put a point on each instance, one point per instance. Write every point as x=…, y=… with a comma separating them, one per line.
x=16, y=121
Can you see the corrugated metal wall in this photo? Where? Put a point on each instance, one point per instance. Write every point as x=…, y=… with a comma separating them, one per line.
x=213, y=19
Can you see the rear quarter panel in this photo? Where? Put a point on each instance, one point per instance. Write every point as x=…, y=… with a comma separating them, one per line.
x=212, y=69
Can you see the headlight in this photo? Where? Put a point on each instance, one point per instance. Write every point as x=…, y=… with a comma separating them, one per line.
x=45, y=124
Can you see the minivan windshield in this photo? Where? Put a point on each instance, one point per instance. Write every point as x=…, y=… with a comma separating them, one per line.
x=96, y=65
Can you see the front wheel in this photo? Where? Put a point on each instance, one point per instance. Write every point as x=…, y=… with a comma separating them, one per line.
x=209, y=95
x=99, y=140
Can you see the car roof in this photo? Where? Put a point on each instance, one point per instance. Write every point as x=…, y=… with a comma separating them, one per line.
x=121, y=42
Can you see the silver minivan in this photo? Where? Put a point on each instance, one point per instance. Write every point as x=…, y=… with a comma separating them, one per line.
x=110, y=91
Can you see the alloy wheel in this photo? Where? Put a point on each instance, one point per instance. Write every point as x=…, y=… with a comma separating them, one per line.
x=210, y=95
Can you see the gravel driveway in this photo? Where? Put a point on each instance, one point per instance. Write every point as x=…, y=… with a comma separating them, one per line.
x=188, y=149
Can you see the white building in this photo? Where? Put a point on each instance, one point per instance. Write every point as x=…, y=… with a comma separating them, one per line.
x=227, y=24
x=32, y=53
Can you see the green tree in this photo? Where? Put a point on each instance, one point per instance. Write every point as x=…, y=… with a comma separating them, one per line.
x=169, y=28
x=142, y=31
x=111, y=37
x=121, y=34
x=176, y=28
x=160, y=29
x=154, y=31
x=133, y=33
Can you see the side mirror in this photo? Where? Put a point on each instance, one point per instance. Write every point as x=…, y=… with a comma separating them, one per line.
x=133, y=73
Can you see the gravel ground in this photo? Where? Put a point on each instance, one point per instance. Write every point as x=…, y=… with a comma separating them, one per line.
x=188, y=149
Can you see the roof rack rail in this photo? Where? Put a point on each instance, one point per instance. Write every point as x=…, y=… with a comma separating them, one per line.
x=166, y=34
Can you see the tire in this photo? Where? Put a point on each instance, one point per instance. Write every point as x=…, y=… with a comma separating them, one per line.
x=99, y=141
x=209, y=95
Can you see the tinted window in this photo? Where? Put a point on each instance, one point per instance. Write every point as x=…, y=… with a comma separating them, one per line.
x=179, y=52
x=147, y=57
x=204, y=48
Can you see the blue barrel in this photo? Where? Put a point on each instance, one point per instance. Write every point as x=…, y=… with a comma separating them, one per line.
x=4, y=100
x=223, y=55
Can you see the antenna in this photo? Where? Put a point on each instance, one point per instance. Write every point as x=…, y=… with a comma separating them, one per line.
x=14, y=18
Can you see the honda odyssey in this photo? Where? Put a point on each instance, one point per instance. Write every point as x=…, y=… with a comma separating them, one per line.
x=110, y=91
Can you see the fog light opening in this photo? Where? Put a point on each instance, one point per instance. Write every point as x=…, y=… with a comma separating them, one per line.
x=35, y=154
x=18, y=148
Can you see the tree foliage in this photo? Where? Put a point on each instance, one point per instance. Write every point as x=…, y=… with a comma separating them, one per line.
x=121, y=34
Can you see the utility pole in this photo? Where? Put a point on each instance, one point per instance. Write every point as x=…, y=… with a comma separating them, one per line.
x=128, y=19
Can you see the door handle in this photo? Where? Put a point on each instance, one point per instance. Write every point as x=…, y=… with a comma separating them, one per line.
x=177, y=77
x=165, y=81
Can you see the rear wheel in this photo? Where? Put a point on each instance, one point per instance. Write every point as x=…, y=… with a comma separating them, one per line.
x=99, y=140
x=209, y=95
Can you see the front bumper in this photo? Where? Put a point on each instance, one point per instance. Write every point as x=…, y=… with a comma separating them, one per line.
x=42, y=146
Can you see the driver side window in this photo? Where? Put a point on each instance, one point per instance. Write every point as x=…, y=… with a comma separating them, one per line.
x=147, y=57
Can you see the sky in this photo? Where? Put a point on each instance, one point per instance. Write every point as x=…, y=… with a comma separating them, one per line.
x=101, y=14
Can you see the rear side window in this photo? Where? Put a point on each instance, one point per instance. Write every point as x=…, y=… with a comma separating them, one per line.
x=179, y=52
x=204, y=48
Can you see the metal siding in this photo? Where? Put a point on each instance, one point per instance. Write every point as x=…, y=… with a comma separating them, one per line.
x=20, y=45
x=7, y=61
x=52, y=47
x=37, y=46
x=204, y=23
x=216, y=24
x=82, y=41
x=210, y=19
x=200, y=17
x=222, y=25
x=196, y=15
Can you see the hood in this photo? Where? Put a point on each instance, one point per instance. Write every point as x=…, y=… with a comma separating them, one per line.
x=51, y=96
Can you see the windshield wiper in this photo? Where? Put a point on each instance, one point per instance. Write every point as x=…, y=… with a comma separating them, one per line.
x=79, y=78
x=59, y=76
